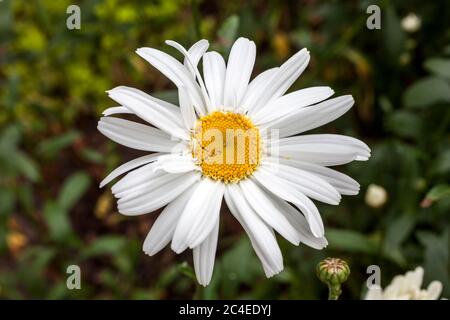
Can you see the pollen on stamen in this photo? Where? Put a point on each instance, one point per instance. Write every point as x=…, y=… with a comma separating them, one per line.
x=227, y=146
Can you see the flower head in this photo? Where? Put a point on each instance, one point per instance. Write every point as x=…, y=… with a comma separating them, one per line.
x=218, y=144
x=406, y=287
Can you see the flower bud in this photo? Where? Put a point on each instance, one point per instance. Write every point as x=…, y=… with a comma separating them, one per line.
x=376, y=196
x=333, y=272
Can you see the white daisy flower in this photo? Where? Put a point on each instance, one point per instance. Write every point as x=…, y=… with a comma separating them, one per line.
x=406, y=287
x=267, y=184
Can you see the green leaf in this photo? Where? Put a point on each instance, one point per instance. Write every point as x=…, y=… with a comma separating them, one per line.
x=436, y=258
x=426, y=92
x=350, y=241
x=57, y=220
x=26, y=166
x=404, y=124
x=436, y=193
x=73, y=189
x=397, y=231
x=10, y=138
x=92, y=155
x=103, y=246
x=438, y=66
x=50, y=147
x=228, y=31
x=185, y=269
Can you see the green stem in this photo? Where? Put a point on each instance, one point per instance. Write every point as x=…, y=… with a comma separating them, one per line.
x=334, y=291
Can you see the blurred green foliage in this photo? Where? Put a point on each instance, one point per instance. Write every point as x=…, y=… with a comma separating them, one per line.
x=52, y=90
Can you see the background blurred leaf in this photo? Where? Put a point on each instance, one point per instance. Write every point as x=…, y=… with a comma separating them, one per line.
x=228, y=31
x=438, y=66
x=436, y=258
x=106, y=245
x=50, y=147
x=73, y=189
x=57, y=221
x=350, y=241
x=426, y=92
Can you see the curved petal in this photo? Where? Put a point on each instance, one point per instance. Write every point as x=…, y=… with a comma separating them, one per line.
x=285, y=191
x=261, y=236
x=194, y=69
x=239, y=69
x=199, y=216
x=214, y=73
x=130, y=165
x=116, y=110
x=176, y=72
x=176, y=163
x=255, y=89
x=163, y=228
x=186, y=108
x=150, y=110
x=159, y=197
x=196, y=52
x=307, y=183
x=204, y=256
x=267, y=211
x=324, y=149
x=283, y=79
x=291, y=102
x=138, y=136
x=299, y=222
x=311, y=117
x=344, y=184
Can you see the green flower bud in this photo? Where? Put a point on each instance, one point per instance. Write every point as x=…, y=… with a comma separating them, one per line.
x=333, y=272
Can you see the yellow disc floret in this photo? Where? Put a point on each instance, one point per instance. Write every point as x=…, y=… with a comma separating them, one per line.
x=226, y=146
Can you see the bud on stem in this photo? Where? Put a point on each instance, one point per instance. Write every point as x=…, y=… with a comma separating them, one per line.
x=333, y=272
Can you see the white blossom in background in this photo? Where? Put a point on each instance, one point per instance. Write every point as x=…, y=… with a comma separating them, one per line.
x=266, y=191
x=376, y=196
x=411, y=23
x=406, y=287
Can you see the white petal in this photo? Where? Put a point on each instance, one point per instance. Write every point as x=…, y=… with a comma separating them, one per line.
x=214, y=73
x=307, y=183
x=158, y=197
x=286, y=191
x=199, y=216
x=311, y=117
x=196, y=51
x=204, y=256
x=130, y=165
x=261, y=236
x=147, y=108
x=162, y=230
x=194, y=69
x=267, y=211
x=176, y=72
x=133, y=196
x=239, y=69
x=186, y=108
x=138, y=136
x=176, y=163
x=116, y=110
x=135, y=178
x=299, y=222
x=324, y=149
x=283, y=79
x=343, y=183
x=255, y=89
x=434, y=290
x=291, y=102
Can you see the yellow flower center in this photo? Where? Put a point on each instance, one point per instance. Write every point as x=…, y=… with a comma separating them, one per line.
x=226, y=146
